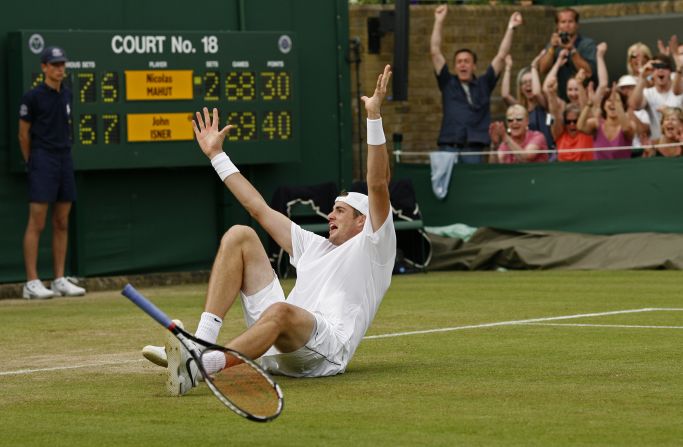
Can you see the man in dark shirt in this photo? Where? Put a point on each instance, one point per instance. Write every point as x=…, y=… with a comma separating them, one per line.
x=465, y=97
x=581, y=51
x=45, y=141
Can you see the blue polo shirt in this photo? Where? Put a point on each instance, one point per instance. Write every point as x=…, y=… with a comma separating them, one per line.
x=49, y=112
x=462, y=122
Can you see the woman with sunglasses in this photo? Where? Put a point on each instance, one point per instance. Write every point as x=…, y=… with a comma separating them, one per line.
x=672, y=132
x=568, y=137
x=566, y=134
x=516, y=143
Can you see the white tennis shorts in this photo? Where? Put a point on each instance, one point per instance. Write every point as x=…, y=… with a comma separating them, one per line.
x=323, y=355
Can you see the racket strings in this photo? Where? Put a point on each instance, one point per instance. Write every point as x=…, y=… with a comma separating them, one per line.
x=246, y=387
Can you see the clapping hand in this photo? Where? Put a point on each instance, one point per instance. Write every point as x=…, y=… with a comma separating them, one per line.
x=497, y=132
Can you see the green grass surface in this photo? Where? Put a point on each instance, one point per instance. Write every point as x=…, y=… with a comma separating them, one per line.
x=504, y=385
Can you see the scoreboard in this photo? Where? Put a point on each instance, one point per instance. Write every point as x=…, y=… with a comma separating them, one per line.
x=135, y=93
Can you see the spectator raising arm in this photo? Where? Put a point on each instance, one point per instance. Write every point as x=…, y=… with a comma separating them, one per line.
x=546, y=61
x=536, y=81
x=589, y=118
x=498, y=61
x=505, y=86
x=627, y=125
x=637, y=100
x=603, y=78
x=551, y=79
x=580, y=78
x=438, y=59
x=580, y=63
x=555, y=107
x=678, y=60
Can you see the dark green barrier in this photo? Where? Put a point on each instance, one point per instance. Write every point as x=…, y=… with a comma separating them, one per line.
x=142, y=220
x=606, y=197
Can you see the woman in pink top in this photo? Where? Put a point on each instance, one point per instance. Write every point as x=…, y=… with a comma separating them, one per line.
x=611, y=128
x=517, y=138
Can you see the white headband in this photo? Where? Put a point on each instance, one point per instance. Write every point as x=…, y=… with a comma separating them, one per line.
x=356, y=200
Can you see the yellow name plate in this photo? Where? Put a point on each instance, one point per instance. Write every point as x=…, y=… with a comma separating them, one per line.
x=160, y=127
x=158, y=85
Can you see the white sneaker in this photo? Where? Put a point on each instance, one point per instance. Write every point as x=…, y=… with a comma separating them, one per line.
x=35, y=290
x=156, y=355
x=182, y=371
x=65, y=287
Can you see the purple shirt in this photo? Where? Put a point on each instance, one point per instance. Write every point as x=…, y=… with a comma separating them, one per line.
x=601, y=140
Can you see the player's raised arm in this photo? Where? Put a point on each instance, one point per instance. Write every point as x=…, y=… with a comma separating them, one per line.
x=210, y=139
x=378, y=158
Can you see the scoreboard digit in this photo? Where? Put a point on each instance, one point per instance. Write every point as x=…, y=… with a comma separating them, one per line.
x=135, y=94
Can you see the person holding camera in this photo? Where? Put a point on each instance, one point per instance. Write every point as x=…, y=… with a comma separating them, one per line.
x=662, y=94
x=581, y=50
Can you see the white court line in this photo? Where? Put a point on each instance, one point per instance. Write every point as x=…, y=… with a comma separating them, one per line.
x=514, y=322
x=603, y=325
x=61, y=368
x=396, y=334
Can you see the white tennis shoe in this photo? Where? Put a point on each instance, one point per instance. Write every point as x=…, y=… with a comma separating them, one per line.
x=65, y=287
x=35, y=290
x=181, y=371
x=156, y=355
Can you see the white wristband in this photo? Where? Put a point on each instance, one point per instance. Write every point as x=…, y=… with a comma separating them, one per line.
x=223, y=165
x=376, y=132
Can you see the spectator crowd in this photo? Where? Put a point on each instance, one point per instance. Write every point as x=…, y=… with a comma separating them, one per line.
x=563, y=107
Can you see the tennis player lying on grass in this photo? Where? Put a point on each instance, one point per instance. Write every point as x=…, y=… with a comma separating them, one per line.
x=340, y=282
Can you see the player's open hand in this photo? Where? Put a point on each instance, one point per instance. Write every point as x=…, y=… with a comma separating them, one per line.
x=209, y=137
x=373, y=104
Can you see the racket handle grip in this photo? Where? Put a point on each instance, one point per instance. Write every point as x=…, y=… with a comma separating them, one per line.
x=146, y=305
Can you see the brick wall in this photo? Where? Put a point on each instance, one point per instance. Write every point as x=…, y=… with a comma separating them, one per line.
x=477, y=27
x=630, y=9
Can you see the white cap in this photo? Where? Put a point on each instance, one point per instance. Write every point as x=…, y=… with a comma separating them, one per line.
x=627, y=81
x=356, y=200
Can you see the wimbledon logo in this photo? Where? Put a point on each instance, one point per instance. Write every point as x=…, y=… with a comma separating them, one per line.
x=36, y=43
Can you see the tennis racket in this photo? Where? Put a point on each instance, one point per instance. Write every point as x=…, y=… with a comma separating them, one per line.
x=244, y=388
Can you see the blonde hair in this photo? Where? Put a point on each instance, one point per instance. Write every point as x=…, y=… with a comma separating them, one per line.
x=638, y=47
x=521, y=97
x=517, y=107
x=672, y=111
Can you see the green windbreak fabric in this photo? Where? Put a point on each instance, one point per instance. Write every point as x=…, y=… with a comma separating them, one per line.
x=601, y=197
x=490, y=249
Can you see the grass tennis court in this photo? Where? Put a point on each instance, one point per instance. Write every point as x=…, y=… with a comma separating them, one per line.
x=72, y=374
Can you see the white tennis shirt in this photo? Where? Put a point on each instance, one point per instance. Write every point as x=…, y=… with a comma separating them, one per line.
x=345, y=283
